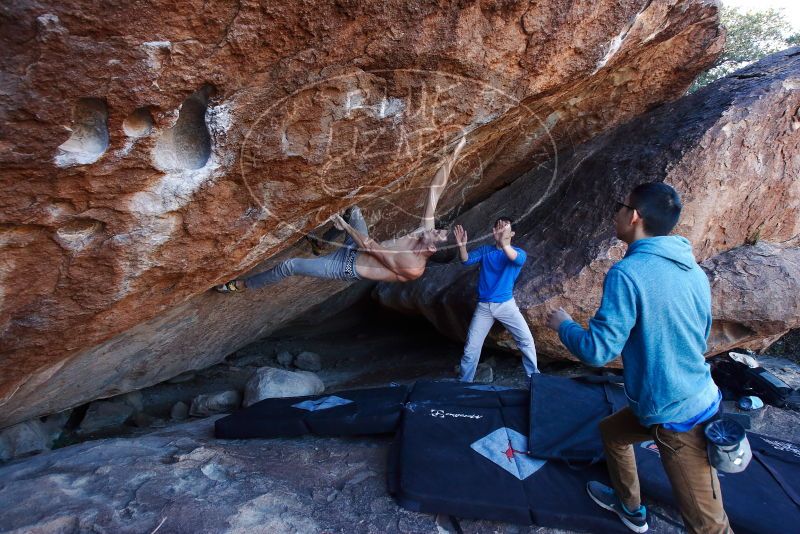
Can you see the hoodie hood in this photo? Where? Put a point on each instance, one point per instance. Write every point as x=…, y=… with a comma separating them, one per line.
x=675, y=248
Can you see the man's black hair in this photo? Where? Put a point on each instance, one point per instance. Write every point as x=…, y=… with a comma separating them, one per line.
x=659, y=205
x=504, y=218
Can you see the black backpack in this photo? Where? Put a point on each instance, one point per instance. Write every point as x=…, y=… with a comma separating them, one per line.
x=737, y=380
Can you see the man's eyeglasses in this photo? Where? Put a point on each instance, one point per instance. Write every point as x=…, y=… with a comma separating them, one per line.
x=620, y=205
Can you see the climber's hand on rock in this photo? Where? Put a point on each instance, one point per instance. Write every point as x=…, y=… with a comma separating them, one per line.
x=338, y=222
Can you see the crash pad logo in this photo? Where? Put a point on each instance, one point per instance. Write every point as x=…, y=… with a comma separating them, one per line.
x=507, y=448
x=441, y=414
x=325, y=403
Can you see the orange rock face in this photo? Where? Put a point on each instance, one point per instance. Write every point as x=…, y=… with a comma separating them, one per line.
x=731, y=150
x=149, y=152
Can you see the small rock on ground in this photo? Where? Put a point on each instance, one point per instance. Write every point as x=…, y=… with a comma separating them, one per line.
x=285, y=358
x=25, y=438
x=214, y=403
x=484, y=373
x=103, y=415
x=179, y=411
x=271, y=382
x=308, y=361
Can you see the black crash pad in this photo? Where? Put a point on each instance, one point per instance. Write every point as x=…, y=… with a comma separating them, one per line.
x=462, y=449
x=347, y=413
x=467, y=394
x=565, y=414
x=464, y=454
x=762, y=499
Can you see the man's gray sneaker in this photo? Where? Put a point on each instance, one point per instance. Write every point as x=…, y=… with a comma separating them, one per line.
x=606, y=498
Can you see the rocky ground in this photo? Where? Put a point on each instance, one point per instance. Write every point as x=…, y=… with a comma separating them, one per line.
x=179, y=478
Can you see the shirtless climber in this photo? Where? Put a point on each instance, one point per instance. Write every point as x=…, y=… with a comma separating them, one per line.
x=395, y=260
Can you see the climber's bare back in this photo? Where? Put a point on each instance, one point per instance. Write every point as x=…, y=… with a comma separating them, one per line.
x=405, y=251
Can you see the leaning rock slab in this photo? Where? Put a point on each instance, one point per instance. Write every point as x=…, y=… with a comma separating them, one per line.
x=754, y=289
x=269, y=382
x=151, y=152
x=732, y=150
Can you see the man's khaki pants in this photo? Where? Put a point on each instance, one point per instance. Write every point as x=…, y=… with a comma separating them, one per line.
x=683, y=454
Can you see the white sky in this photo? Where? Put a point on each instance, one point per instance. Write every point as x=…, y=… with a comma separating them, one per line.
x=790, y=7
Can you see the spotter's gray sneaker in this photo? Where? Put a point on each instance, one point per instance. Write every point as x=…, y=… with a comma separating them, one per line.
x=606, y=498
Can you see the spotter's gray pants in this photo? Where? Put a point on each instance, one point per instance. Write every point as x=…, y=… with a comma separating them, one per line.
x=482, y=320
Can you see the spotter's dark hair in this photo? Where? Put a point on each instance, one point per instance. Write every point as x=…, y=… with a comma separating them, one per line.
x=504, y=218
x=659, y=206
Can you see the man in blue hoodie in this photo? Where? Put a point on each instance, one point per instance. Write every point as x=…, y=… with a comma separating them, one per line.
x=500, y=267
x=656, y=313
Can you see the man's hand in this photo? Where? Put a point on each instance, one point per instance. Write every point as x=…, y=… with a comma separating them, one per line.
x=461, y=240
x=461, y=235
x=505, y=237
x=555, y=318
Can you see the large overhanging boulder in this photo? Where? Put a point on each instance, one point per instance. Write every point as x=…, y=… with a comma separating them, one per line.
x=733, y=152
x=151, y=151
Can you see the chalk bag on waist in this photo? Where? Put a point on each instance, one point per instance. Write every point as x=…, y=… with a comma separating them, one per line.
x=728, y=448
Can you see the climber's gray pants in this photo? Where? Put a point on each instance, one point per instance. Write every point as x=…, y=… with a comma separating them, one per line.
x=339, y=265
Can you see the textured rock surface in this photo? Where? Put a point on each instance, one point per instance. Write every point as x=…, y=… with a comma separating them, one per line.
x=206, y=137
x=214, y=403
x=179, y=478
x=755, y=292
x=733, y=152
x=484, y=373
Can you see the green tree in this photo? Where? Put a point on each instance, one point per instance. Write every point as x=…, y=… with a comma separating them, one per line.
x=751, y=36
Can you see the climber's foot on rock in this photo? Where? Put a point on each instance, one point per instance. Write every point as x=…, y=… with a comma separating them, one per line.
x=233, y=286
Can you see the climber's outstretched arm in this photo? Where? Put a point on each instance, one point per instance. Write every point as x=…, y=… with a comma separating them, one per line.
x=438, y=184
